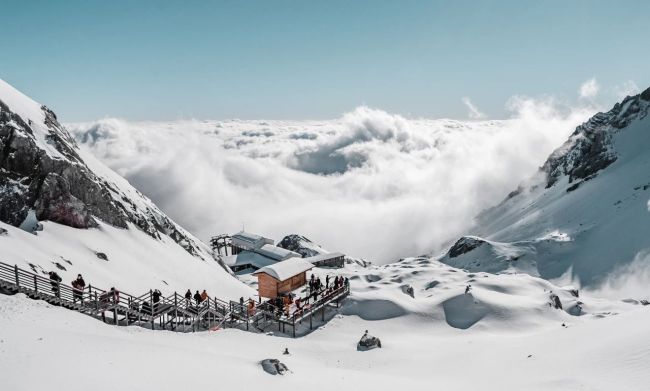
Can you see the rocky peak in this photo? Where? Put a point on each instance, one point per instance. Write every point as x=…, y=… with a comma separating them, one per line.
x=465, y=245
x=589, y=148
x=43, y=171
x=301, y=245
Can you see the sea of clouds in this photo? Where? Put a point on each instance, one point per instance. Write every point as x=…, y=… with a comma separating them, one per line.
x=372, y=184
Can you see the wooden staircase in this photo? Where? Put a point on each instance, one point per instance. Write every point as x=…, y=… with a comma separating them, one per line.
x=173, y=312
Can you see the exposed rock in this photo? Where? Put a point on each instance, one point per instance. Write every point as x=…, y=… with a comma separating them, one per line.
x=274, y=366
x=431, y=284
x=41, y=170
x=465, y=245
x=301, y=245
x=368, y=342
x=555, y=301
x=408, y=289
x=3, y=232
x=589, y=149
x=102, y=256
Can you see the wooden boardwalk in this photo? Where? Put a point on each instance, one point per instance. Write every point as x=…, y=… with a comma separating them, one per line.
x=170, y=313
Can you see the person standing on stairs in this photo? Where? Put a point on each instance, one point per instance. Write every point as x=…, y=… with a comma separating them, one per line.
x=55, y=280
x=156, y=298
x=204, y=295
x=188, y=297
x=197, y=297
x=78, y=287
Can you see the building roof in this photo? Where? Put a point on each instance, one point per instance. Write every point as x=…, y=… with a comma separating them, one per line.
x=286, y=269
x=247, y=236
x=323, y=257
x=277, y=253
x=248, y=258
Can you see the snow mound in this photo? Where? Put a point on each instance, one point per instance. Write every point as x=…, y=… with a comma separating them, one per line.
x=446, y=296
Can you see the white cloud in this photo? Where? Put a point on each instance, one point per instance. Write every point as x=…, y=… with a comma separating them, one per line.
x=371, y=184
x=630, y=280
x=589, y=89
x=474, y=112
x=628, y=88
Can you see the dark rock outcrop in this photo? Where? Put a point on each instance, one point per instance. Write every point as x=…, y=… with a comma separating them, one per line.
x=274, y=366
x=41, y=169
x=465, y=245
x=554, y=301
x=589, y=149
x=368, y=342
x=299, y=244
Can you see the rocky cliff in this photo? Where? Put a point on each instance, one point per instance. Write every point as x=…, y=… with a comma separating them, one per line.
x=44, y=175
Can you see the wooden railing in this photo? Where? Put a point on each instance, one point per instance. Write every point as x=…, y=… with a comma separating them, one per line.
x=175, y=311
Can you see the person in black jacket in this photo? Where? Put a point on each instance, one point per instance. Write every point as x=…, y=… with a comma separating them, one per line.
x=78, y=286
x=156, y=298
x=197, y=297
x=188, y=297
x=55, y=280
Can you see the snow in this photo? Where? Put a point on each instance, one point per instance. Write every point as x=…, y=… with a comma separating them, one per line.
x=248, y=257
x=286, y=269
x=29, y=110
x=518, y=342
x=136, y=262
x=589, y=232
x=21, y=104
x=277, y=253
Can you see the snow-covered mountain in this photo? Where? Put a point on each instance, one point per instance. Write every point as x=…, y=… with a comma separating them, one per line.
x=77, y=215
x=584, y=215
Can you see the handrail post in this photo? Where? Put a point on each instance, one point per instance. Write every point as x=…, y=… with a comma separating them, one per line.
x=17, y=278
x=35, y=284
x=175, y=311
x=151, y=308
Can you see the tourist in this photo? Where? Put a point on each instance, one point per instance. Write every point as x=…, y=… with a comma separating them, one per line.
x=197, y=297
x=55, y=280
x=78, y=286
x=347, y=283
x=156, y=298
x=115, y=295
x=204, y=296
x=188, y=297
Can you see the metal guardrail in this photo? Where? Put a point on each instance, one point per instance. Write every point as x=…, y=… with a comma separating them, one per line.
x=174, y=310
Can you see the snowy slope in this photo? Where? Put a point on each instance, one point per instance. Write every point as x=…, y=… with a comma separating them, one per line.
x=424, y=341
x=73, y=212
x=586, y=214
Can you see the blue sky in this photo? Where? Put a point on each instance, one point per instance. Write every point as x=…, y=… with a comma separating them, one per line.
x=306, y=59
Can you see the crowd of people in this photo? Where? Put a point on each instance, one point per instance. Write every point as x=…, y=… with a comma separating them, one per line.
x=78, y=286
x=284, y=304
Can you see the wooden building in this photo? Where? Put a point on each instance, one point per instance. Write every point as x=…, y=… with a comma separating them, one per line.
x=282, y=277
